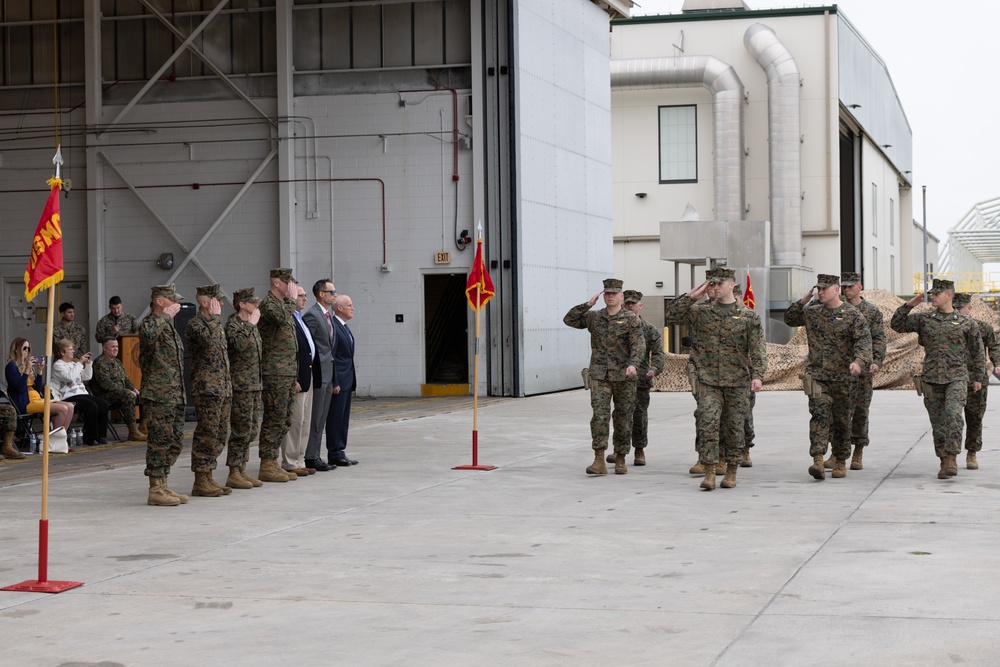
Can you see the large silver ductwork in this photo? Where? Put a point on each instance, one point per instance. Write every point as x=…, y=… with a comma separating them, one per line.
x=727, y=110
x=784, y=141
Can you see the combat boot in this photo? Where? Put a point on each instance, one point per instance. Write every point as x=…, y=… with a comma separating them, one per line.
x=856, y=459
x=620, y=467
x=720, y=467
x=709, y=482
x=245, y=475
x=951, y=465
x=598, y=467
x=236, y=481
x=134, y=434
x=8, y=450
x=729, y=481
x=697, y=469
x=610, y=458
x=203, y=486
x=270, y=471
x=142, y=427
x=828, y=464
x=839, y=469
x=640, y=457
x=970, y=461
x=745, y=462
x=179, y=496
x=817, y=469
x=943, y=472
x=158, y=496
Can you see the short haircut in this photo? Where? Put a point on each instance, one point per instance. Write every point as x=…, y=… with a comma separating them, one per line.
x=115, y=300
x=319, y=285
x=64, y=306
x=61, y=345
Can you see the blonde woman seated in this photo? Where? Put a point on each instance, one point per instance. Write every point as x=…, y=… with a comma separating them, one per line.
x=68, y=377
x=23, y=374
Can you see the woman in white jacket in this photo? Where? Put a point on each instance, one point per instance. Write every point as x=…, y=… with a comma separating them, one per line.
x=68, y=377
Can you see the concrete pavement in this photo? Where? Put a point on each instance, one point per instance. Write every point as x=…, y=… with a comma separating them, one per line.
x=403, y=561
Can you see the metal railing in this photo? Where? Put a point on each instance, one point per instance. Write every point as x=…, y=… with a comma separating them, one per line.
x=965, y=281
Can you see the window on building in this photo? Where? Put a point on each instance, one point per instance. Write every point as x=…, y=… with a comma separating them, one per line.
x=874, y=210
x=874, y=272
x=892, y=222
x=892, y=273
x=678, y=144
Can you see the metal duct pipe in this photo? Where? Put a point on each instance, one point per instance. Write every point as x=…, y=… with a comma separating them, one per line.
x=784, y=142
x=727, y=111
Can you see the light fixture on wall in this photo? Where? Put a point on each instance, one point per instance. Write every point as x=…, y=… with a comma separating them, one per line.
x=640, y=195
x=853, y=106
x=166, y=261
x=659, y=283
x=463, y=240
x=886, y=145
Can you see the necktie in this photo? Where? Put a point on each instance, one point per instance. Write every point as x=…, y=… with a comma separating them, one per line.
x=329, y=323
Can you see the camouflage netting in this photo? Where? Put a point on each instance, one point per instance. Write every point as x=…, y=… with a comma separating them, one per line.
x=785, y=363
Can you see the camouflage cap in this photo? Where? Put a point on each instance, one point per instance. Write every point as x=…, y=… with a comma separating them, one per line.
x=167, y=291
x=633, y=296
x=850, y=278
x=722, y=274
x=825, y=280
x=282, y=274
x=612, y=285
x=210, y=290
x=245, y=294
x=961, y=299
x=737, y=290
x=940, y=286
x=710, y=273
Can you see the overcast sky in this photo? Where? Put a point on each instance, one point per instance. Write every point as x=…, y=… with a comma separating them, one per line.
x=943, y=63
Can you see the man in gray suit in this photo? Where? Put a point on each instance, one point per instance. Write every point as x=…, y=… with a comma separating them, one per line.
x=319, y=320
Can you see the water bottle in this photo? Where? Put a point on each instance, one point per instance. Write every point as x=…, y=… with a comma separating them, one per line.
x=79, y=436
x=32, y=443
x=74, y=438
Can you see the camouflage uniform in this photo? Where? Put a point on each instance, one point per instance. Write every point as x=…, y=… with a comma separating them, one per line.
x=616, y=342
x=8, y=418
x=953, y=358
x=106, y=327
x=245, y=352
x=73, y=332
x=210, y=386
x=161, y=358
x=861, y=394
x=111, y=383
x=975, y=401
x=730, y=356
x=837, y=337
x=279, y=366
x=653, y=358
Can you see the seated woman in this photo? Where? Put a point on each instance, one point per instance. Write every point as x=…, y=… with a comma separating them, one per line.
x=68, y=377
x=23, y=374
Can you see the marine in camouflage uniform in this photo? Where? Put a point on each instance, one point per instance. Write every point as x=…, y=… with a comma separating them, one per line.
x=840, y=345
x=975, y=401
x=953, y=358
x=691, y=342
x=8, y=426
x=125, y=323
x=748, y=429
x=731, y=362
x=211, y=388
x=245, y=353
x=71, y=331
x=861, y=396
x=279, y=367
x=112, y=384
x=617, y=348
x=161, y=358
x=651, y=365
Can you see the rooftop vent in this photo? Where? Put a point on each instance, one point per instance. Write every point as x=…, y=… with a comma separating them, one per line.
x=694, y=6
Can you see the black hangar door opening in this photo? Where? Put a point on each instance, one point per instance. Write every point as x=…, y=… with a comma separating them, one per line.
x=446, y=335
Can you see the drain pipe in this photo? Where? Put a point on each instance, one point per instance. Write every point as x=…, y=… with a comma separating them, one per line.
x=784, y=141
x=727, y=111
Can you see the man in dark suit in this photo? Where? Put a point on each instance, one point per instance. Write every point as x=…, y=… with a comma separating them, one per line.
x=344, y=382
x=293, y=445
x=319, y=319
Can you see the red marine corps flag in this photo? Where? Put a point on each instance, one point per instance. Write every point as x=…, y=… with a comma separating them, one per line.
x=45, y=265
x=748, y=294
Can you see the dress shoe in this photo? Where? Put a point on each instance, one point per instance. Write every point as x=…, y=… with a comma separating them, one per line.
x=342, y=461
x=301, y=472
x=102, y=441
x=319, y=465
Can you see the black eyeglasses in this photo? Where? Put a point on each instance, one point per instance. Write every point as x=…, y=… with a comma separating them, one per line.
x=328, y=291
x=26, y=348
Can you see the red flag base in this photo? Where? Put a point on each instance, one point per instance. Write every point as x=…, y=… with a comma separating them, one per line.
x=34, y=586
x=475, y=456
x=42, y=584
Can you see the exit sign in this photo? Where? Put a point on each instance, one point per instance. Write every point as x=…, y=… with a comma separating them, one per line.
x=442, y=258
